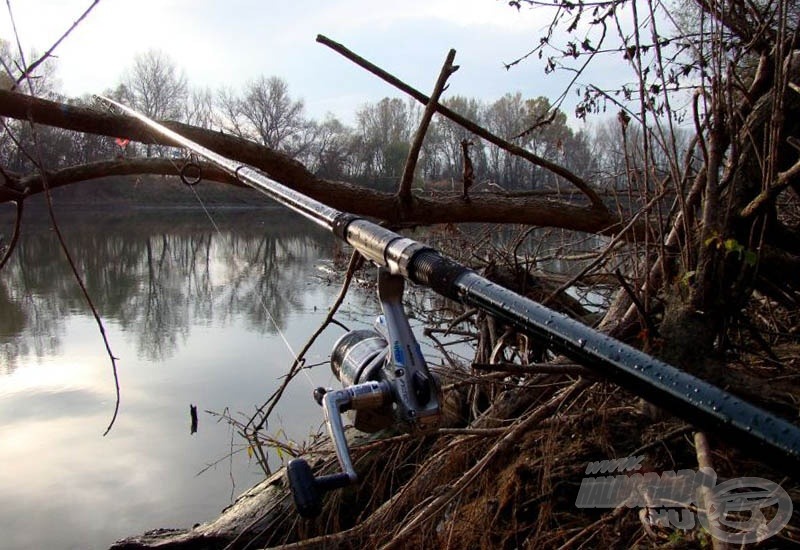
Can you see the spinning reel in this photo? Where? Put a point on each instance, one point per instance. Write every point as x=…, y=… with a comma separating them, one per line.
x=386, y=383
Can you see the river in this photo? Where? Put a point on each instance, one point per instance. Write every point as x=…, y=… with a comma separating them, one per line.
x=196, y=307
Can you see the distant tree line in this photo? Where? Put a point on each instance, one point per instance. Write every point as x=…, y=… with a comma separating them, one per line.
x=371, y=152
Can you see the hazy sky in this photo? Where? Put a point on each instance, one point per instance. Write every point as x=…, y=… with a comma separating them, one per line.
x=230, y=42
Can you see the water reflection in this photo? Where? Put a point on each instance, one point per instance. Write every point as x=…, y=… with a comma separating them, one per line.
x=156, y=275
x=189, y=309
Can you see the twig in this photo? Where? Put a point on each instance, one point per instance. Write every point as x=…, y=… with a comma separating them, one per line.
x=30, y=68
x=653, y=331
x=78, y=279
x=661, y=440
x=592, y=528
x=404, y=190
x=472, y=380
x=601, y=258
x=483, y=432
x=468, y=335
x=476, y=129
x=429, y=512
x=768, y=195
x=355, y=449
x=704, y=461
x=536, y=368
x=463, y=317
x=443, y=351
x=39, y=165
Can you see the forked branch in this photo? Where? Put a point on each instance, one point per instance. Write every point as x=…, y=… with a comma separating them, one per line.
x=404, y=190
x=476, y=129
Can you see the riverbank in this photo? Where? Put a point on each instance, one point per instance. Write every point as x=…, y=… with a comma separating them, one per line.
x=125, y=193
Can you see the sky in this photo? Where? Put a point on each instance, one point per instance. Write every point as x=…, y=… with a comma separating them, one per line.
x=228, y=43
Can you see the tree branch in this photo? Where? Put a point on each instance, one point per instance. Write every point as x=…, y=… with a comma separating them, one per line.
x=768, y=195
x=557, y=169
x=404, y=190
x=34, y=184
x=486, y=207
x=49, y=53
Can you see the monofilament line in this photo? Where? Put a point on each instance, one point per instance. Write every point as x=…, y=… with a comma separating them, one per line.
x=260, y=296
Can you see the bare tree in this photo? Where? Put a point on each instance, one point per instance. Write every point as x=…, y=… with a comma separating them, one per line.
x=383, y=137
x=155, y=86
x=329, y=154
x=445, y=159
x=266, y=113
x=200, y=108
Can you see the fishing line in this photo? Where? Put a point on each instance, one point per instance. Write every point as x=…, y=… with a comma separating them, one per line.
x=208, y=214
x=191, y=183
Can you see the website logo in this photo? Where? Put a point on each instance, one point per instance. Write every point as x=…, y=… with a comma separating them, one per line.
x=737, y=511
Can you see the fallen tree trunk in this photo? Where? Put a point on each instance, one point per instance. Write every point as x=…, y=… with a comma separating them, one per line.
x=265, y=515
x=254, y=512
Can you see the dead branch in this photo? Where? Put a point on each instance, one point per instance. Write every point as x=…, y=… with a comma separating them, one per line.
x=75, y=272
x=768, y=195
x=404, y=190
x=538, y=368
x=34, y=183
x=49, y=53
x=576, y=180
x=704, y=461
x=487, y=207
x=431, y=510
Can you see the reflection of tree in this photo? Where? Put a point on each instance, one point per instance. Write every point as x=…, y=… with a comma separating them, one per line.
x=157, y=274
x=271, y=281
x=162, y=305
x=12, y=321
x=30, y=318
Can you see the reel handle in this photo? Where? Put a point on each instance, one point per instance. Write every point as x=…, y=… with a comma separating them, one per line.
x=307, y=490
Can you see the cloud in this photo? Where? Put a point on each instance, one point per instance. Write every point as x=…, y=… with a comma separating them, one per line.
x=229, y=43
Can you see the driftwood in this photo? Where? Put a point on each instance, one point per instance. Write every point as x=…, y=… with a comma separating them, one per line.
x=253, y=512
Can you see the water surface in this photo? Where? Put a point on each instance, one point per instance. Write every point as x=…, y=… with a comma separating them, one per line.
x=194, y=310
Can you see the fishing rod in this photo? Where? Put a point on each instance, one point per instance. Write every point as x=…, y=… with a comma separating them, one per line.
x=373, y=380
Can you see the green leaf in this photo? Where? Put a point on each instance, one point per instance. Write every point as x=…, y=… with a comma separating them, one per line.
x=750, y=258
x=732, y=245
